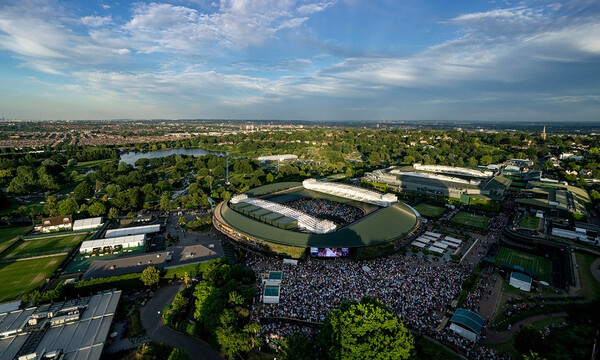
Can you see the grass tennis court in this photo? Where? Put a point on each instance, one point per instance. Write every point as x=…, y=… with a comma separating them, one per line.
x=530, y=262
x=472, y=220
x=428, y=210
x=19, y=277
x=9, y=235
x=44, y=246
x=529, y=222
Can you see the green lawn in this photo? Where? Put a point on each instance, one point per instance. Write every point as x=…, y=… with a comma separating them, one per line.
x=9, y=235
x=428, y=210
x=85, y=166
x=19, y=277
x=590, y=288
x=472, y=220
x=529, y=222
x=45, y=246
x=538, y=264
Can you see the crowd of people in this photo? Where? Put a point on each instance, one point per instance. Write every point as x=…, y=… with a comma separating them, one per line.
x=483, y=289
x=418, y=290
x=415, y=289
x=342, y=214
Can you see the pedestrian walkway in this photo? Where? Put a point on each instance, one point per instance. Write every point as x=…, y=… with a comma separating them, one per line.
x=157, y=331
x=497, y=337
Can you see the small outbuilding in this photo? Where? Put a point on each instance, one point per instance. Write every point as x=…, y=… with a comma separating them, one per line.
x=467, y=324
x=520, y=281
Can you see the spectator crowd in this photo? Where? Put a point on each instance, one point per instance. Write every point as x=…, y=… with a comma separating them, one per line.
x=340, y=213
x=418, y=290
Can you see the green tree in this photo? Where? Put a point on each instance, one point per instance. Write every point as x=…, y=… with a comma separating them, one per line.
x=486, y=160
x=97, y=209
x=365, y=330
x=83, y=191
x=270, y=178
x=532, y=356
x=51, y=206
x=179, y=354
x=297, y=346
x=150, y=276
x=180, y=303
x=595, y=195
x=529, y=339
x=67, y=207
x=165, y=202
x=113, y=213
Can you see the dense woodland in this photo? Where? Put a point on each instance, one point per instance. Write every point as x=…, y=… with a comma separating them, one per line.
x=91, y=181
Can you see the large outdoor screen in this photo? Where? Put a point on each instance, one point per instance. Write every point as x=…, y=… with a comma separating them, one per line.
x=329, y=252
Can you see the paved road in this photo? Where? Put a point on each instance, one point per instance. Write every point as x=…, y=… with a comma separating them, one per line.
x=497, y=337
x=157, y=331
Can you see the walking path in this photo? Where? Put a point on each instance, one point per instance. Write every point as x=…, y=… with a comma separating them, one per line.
x=159, y=332
x=497, y=337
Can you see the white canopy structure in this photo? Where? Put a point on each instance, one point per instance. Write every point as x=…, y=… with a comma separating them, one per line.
x=89, y=223
x=440, y=245
x=435, y=249
x=350, y=192
x=432, y=234
x=123, y=241
x=146, y=229
x=451, y=245
x=305, y=221
x=418, y=244
x=452, y=240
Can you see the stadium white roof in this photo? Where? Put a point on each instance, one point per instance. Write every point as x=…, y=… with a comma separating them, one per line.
x=350, y=192
x=305, y=221
x=418, y=244
x=89, y=223
x=146, y=229
x=454, y=170
x=124, y=241
x=435, y=177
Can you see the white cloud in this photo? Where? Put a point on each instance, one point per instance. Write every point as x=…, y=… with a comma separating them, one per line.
x=307, y=9
x=95, y=21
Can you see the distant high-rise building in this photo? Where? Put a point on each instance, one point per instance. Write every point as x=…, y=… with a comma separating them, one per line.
x=544, y=133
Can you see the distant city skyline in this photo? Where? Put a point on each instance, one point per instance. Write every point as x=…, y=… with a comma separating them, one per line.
x=300, y=60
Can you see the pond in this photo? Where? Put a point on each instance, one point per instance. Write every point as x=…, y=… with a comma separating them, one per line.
x=131, y=157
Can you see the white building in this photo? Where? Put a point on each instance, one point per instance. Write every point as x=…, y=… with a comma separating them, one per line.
x=146, y=229
x=283, y=157
x=89, y=223
x=520, y=281
x=123, y=241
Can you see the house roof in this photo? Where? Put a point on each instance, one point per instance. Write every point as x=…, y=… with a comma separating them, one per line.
x=468, y=319
x=57, y=220
x=519, y=276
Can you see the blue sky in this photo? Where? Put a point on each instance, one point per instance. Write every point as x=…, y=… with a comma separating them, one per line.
x=301, y=59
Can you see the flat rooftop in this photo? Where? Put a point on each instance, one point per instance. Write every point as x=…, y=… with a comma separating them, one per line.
x=79, y=338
